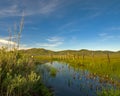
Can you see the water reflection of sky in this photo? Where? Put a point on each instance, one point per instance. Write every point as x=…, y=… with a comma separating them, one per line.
x=69, y=81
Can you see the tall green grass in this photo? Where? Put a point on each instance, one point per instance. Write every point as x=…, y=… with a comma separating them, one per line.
x=17, y=71
x=99, y=64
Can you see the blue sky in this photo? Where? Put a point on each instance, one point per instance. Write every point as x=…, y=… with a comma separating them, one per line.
x=63, y=24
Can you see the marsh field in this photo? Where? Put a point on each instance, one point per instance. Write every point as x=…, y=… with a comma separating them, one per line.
x=40, y=72
x=78, y=73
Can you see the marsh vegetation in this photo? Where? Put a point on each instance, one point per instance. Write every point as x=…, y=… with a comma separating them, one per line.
x=104, y=65
x=18, y=76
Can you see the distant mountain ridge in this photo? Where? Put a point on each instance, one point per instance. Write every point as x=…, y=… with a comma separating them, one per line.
x=42, y=51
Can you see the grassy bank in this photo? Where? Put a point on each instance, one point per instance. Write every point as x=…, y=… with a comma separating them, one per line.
x=18, y=76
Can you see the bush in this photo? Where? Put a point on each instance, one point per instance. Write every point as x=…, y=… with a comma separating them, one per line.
x=17, y=75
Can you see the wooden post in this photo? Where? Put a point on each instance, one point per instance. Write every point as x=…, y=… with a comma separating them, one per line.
x=83, y=57
x=108, y=57
x=93, y=57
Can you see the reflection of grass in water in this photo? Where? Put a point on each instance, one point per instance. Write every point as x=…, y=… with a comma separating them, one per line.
x=111, y=92
x=108, y=73
x=100, y=66
x=53, y=72
x=46, y=68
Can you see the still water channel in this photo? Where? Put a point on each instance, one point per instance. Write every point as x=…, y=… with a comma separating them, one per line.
x=68, y=81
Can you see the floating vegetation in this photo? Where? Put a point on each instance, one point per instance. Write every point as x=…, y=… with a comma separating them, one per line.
x=53, y=72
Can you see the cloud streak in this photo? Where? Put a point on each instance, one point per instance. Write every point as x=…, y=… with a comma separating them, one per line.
x=106, y=36
x=54, y=39
x=29, y=7
x=5, y=42
x=114, y=28
x=49, y=45
x=52, y=42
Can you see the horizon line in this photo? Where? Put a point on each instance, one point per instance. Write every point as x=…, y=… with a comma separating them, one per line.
x=72, y=49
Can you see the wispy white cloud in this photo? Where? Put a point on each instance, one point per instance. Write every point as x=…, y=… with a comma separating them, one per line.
x=25, y=46
x=102, y=34
x=10, y=11
x=92, y=14
x=49, y=7
x=96, y=14
x=8, y=38
x=34, y=28
x=115, y=28
x=49, y=45
x=106, y=36
x=51, y=42
x=66, y=28
x=54, y=39
x=90, y=8
x=5, y=42
x=110, y=33
x=29, y=7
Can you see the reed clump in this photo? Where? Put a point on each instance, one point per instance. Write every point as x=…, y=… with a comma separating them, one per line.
x=17, y=71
